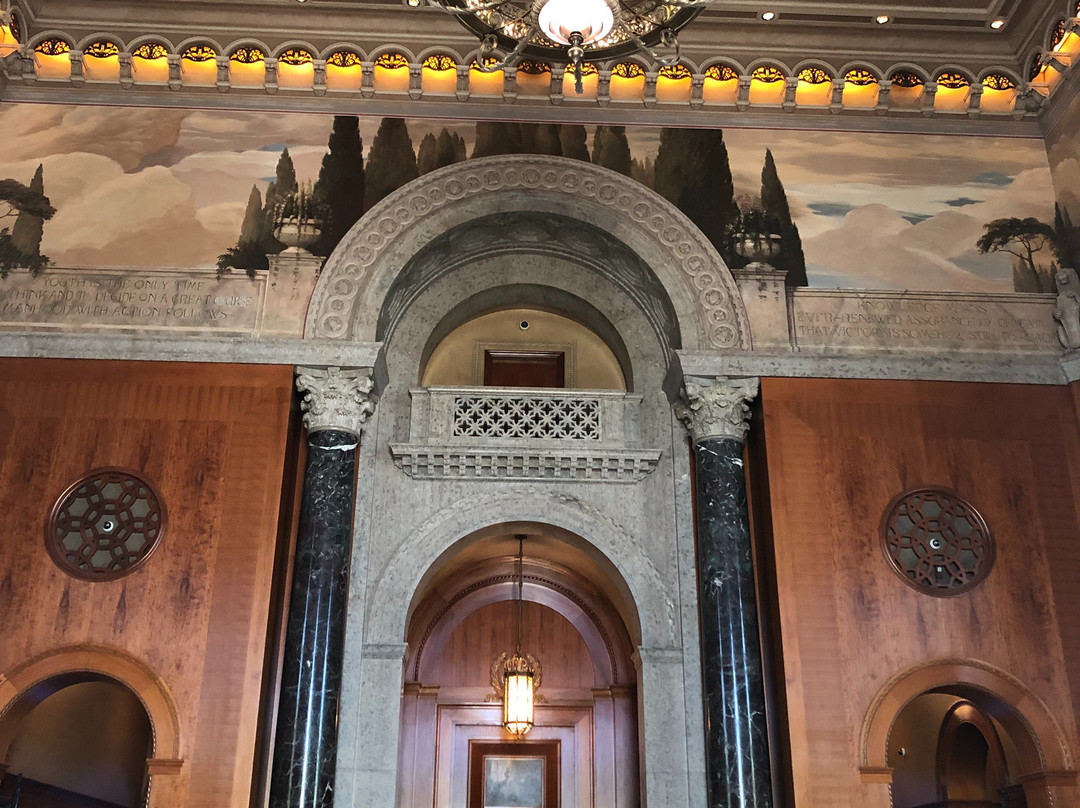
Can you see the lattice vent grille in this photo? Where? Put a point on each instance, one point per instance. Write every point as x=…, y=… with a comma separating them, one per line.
x=490, y=416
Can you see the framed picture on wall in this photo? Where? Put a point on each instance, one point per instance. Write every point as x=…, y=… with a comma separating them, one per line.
x=513, y=775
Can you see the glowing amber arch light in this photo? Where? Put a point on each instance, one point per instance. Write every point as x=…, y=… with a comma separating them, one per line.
x=675, y=72
x=627, y=70
x=296, y=57
x=860, y=78
x=344, y=59
x=814, y=75
x=440, y=62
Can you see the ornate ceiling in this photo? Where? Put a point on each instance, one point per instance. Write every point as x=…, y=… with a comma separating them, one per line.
x=923, y=37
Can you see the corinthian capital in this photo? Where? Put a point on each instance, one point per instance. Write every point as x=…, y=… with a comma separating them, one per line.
x=335, y=398
x=717, y=408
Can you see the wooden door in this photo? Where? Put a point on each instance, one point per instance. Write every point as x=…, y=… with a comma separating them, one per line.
x=524, y=369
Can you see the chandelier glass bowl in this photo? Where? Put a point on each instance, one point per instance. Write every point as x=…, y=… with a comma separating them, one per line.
x=543, y=29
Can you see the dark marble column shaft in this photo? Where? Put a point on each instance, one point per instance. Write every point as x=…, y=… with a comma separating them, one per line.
x=305, y=750
x=737, y=744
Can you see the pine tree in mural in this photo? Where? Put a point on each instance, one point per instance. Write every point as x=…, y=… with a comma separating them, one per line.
x=20, y=246
x=1024, y=239
x=611, y=150
x=391, y=162
x=249, y=253
x=340, y=186
x=29, y=227
x=573, y=139
x=692, y=171
x=774, y=203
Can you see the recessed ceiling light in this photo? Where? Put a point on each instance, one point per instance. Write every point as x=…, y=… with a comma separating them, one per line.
x=881, y=19
x=768, y=16
x=998, y=24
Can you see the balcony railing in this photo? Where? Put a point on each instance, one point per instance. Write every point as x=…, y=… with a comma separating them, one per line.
x=524, y=433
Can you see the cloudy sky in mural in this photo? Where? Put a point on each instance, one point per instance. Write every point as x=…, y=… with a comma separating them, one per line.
x=167, y=188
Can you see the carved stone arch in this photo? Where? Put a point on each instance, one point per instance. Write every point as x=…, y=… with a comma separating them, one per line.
x=358, y=277
x=654, y=623
x=26, y=686
x=1042, y=746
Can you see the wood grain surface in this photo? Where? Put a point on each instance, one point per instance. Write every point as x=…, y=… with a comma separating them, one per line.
x=837, y=452
x=212, y=439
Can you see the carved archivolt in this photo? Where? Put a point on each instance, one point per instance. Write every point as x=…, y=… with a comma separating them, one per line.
x=20, y=691
x=353, y=287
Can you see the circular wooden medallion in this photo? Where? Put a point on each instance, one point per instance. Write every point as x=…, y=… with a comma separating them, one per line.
x=105, y=525
x=936, y=541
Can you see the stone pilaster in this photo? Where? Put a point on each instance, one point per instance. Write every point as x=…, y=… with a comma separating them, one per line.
x=336, y=405
x=716, y=412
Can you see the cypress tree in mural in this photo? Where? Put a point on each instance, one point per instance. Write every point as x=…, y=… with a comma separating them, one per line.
x=573, y=139
x=391, y=162
x=461, y=152
x=611, y=150
x=29, y=227
x=249, y=253
x=439, y=152
x=496, y=137
x=1066, y=238
x=30, y=208
x=643, y=172
x=545, y=140
x=692, y=171
x=340, y=186
x=774, y=203
x=427, y=155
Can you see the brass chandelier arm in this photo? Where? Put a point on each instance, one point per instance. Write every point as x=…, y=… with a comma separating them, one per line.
x=489, y=44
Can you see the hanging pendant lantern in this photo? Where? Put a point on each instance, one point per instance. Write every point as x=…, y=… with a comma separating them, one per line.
x=517, y=675
x=518, y=696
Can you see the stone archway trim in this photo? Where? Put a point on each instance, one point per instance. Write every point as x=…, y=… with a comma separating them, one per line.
x=656, y=612
x=112, y=663
x=1046, y=750
x=359, y=274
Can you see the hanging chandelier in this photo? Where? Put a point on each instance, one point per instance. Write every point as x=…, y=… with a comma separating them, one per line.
x=573, y=31
x=516, y=676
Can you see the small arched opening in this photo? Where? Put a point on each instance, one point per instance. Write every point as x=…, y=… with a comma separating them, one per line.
x=573, y=620
x=962, y=734
x=78, y=739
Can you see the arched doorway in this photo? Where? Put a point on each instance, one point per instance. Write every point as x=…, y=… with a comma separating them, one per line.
x=83, y=744
x=464, y=617
x=962, y=733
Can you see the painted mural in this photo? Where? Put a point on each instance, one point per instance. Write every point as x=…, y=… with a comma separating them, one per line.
x=207, y=206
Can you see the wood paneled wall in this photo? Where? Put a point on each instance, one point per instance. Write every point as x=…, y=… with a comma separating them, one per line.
x=837, y=452
x=212, y=438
